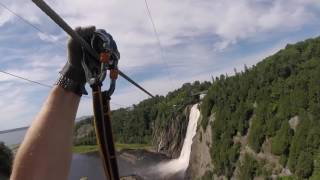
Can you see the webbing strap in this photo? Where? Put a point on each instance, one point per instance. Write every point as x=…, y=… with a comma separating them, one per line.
x=102, y=123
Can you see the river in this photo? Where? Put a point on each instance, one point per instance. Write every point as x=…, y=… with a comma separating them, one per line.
x=148, y=165
x=130, y=162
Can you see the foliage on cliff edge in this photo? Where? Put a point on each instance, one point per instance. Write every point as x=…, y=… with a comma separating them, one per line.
x=267, y=96
x=137, y=124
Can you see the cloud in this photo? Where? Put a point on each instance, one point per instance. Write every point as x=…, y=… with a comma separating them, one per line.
x=50, y=38
x=17, y=110
x=23, y=8
x=5, y=16
x=229, y=20
x=160, y=85
x=199, y=39
x=42, y=67
x=243, y=19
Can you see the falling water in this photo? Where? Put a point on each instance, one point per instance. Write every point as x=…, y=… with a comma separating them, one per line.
x=180, y=164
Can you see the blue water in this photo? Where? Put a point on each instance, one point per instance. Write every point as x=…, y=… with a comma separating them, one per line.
x=86, y=165
x=13, y=138
x=90, y=165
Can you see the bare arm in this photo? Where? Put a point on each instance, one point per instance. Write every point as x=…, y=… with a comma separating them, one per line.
x=46, y=151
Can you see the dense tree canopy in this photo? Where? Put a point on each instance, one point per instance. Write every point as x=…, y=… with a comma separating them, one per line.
x=262, y=98
x=267, y=96
x=5, y=160
x=136, y=124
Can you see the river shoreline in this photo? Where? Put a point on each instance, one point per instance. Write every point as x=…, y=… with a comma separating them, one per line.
x=82, y=149
x=131, y=162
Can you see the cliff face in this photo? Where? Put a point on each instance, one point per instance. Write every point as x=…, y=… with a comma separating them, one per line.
x=200, y=159
x=169, y=139
x=263, y=123
x=84, y=133
x=201, y=165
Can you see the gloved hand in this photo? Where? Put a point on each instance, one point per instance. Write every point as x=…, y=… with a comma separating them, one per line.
x=72, y=75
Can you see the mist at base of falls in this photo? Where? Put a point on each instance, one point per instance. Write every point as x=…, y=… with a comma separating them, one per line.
x=180, y=165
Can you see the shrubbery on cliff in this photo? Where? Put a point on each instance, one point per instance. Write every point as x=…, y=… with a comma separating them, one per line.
x=6, y=158
x=269, y=94
x=136, y=124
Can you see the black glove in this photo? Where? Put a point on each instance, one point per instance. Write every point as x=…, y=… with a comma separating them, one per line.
x=72, y=75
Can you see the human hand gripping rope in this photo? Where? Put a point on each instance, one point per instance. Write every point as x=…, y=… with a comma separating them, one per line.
x=80, y=68
x=99, y=54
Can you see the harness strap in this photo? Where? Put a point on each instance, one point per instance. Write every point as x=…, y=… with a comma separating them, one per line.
x=102, y=123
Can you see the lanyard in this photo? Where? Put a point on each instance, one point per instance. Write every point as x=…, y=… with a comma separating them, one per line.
x=102, y=123
x=101, y=99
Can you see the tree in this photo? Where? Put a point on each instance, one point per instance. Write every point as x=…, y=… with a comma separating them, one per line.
x=248, y=168
x=316, y=171
x=256, y=136
x=298, y=144
x=281, y=142
x=278, y=88
x=5, y=160
x=305, y=165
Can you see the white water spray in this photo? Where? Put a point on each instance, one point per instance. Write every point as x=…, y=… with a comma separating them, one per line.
x=181, y=164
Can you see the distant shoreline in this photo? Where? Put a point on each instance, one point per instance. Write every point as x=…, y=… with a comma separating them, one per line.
x=12, y=130
x=84, y=149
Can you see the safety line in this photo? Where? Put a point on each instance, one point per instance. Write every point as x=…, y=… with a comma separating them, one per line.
x=38, y=29
x=21, y=18
x=44, y=85
x=158, y=39
x=26, y=79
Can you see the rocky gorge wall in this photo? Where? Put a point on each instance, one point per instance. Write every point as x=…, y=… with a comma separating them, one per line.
x=201, y=166
x=200, y=159
x=169, y=139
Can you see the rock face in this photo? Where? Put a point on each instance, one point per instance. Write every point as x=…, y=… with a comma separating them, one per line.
x=200, y=159
x=201, y=166
x=84, y=131
x=84, y=135
x=294, y=122
x=169, y=140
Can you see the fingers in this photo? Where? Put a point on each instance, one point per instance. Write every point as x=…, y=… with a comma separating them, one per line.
x=74, y=48
x=86, y=32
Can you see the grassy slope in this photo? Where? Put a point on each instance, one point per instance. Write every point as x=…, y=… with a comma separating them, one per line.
x=93, y=148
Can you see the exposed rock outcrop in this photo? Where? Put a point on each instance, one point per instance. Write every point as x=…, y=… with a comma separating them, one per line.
x=169, y=140
x=200, y=159
x=293, y=122
x=201, y=165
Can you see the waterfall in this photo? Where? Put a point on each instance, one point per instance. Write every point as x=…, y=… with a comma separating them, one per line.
x=180, y=164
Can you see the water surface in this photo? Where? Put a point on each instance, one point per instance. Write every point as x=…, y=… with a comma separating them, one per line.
x=148, y=165
x=130, y=162
x=13, y=138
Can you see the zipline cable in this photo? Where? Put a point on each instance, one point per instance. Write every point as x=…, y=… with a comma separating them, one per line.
x=26, y=79
x=21, y=18
x=66, y=27
x=153, y=25
x=41, y=31
x=158, y=38
x=42, y=84
x=31, y=25
x=73, y=36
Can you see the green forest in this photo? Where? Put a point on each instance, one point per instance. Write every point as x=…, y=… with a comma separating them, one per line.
x=265, y=97
x=262, y=98
x=6, y=158
x=136, y=124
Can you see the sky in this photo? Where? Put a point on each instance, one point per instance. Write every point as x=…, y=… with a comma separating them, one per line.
x=199, y=40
